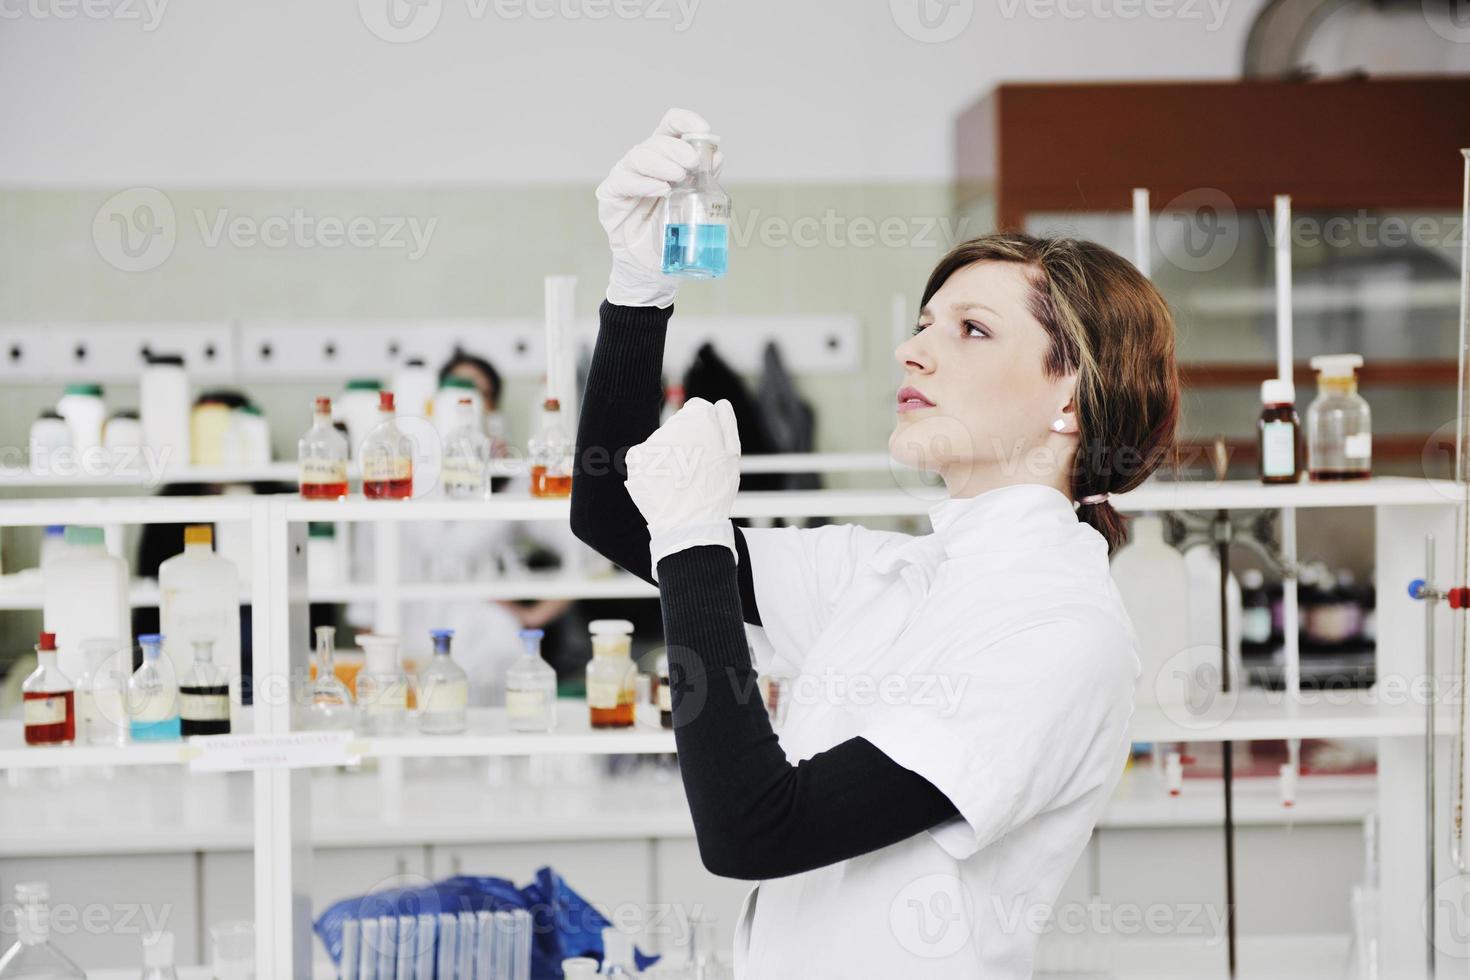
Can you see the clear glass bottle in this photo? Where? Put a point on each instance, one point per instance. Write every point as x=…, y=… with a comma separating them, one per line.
x=102, y=715
x=33, y=956
x=387, y=456
x=322, y=452
x=153, y=697
x=444, y=690
x=703, y=960
x=611, y=697
x=331, y=702
x=551, y=451
x=382, y=686
x=530, y=688
x=50, y=701
x=697, y=218
x=158, y=956
x=1339, y=423
x=204, y=695
x=1278, y=434
x=466, y=455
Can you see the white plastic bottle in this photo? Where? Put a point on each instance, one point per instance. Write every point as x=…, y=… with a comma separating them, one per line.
x=50, y=440
x=199, y=599
x=163, y=396
x=413, y=385
x=85, y=412
x=85, y=595
x=1154, y=582
x=446, y=403
x=357, y=407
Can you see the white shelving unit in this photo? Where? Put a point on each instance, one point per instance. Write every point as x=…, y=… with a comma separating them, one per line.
x=1405, y=510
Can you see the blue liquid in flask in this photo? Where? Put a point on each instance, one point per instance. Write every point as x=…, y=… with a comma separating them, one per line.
x=696, y=251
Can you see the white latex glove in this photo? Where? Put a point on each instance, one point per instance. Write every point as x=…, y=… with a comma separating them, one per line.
x=684, y=477
x=630, y=205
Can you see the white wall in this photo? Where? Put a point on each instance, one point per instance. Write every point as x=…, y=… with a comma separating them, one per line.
x=302, y=92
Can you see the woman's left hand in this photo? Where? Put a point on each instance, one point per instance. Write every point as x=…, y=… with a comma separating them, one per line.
x=684, y=477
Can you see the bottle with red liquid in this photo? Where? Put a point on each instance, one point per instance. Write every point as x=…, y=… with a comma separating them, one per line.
x=322, y=452
x=551, y=451
x=50, y=701
x=387, y=457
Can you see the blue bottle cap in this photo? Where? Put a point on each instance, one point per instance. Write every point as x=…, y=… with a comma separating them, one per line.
x=436, y=634
x=150, y=638
x=532, y=634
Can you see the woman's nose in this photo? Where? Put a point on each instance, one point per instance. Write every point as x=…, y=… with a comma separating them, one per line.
x=911, y=355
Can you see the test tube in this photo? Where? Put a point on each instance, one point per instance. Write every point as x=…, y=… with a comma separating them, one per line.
x=423, y=954
x=387, y=946
x=350, y=942
x=367, y=960
x=407, y=944
x=466, y=968
x=446, y=947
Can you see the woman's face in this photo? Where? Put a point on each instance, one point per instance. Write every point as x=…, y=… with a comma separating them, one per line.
x=977, y=360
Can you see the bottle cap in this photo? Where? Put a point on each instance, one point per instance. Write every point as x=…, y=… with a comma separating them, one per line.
x=165, y=360
x=1336, y=365
x=324, y=406
x=82, y=535
x=89, y=388
x=455, y=381
x=552, y=405
x=48, y=643
x=385, y=401
x=380, y=650
x=1277, y=391
x=364, y=384
x=610, y=627
x=150, y=642
x=532, y=634
x=414, y=362
x=199, y=534
x=158, y=949
x=466, y=403
x=321, y=529
x=31, y=892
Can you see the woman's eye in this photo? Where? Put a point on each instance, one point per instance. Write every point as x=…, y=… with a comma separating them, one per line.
x=918, y=328
x=973, y=329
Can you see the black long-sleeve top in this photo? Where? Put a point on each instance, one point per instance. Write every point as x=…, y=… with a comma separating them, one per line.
x=756, y=815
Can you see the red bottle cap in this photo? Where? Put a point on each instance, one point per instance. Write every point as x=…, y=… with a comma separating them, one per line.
x=385, y=401
x=324, y=406
x=48, y=642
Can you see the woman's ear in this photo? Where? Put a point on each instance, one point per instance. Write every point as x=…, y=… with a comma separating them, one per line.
x=1065, y=420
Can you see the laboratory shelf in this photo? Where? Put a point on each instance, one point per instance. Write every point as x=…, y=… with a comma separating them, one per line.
x=39, y=512
x=1257, y=715
x=489, y=734
x=16, y=754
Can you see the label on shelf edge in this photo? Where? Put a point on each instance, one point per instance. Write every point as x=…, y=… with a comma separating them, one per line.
x=288, y=750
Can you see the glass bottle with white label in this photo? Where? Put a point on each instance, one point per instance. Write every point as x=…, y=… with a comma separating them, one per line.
x=322, y=453
x=387, y=456
x=611, y=696
x=382, y=686
x=204, y=695
x=530, y=688
x=466, y=455
x=153, y=695
x=1278, y=434
x=50, y=703
x=102, y=716
x=444, y=690
x=1339, y=423
x=697, y=218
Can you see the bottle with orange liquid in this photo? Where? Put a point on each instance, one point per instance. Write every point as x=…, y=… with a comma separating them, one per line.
x=387, y=457
x=551, y=451
x=50, y=701
x=611, y=695
x=322, y=452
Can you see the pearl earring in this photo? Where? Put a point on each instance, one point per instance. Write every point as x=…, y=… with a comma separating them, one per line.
x=1058, y=425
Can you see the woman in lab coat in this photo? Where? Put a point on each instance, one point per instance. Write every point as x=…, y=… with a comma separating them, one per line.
x=961, y=712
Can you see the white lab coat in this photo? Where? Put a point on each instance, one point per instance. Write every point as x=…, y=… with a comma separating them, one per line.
x=992, y=657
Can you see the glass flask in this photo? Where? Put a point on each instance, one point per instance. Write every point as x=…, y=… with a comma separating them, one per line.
x=158, y=956
x=33, y=957
x=50, y=707
x=387, y=456
x=530, y=688
x=1339, y=424
x=382, y=686
x=611, y=696
x=153, y=698
x=697, y=218
x=322, y=454
x=102, y=715
x=444, y=690
x=551, y=451
x=204, y=695
x=466, y=455
x=331, y=701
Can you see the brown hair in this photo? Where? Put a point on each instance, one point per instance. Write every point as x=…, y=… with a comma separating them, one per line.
x=1108, y=323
